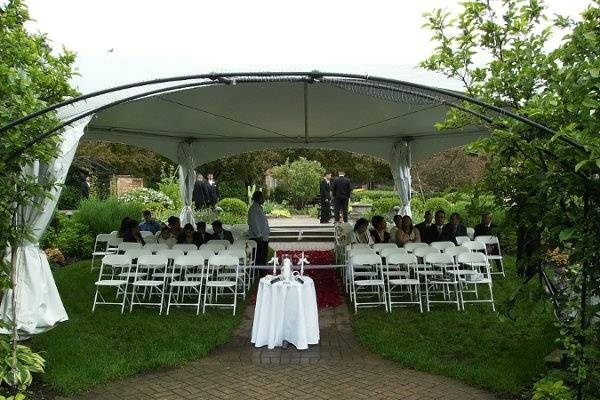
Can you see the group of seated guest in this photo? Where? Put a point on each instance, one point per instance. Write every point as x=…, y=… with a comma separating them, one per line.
x=405, y=231
x=441, y=232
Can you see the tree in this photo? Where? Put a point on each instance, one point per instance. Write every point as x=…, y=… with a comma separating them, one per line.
x=549, y=182
x=299, y=180
x=32, y=76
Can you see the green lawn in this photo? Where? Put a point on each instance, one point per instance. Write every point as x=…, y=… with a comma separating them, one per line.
x=91, y=349
x=476, y=346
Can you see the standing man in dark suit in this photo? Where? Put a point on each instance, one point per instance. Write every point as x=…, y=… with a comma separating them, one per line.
x=453, y=229
x=325, y=194
x=342, y=189
x=200, y=193
x=434, y=233
x=213, y=191
x=85, y=187
x=422, y=227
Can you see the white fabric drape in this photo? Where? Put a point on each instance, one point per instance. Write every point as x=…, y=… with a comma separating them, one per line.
x=39, y=307
x=187, y=178
x=400, y=165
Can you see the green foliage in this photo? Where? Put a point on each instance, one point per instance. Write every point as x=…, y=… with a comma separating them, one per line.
x=95, y=348
x=70, y=197
x=438, y=203
x=546, y=181
x=69, y=236
x=251, y=190
x=151, y=199
x=234, y=189
x=169, y=185
x=104, y=216
x=383, y=207
x=550, y=388
x=368, y=196
x=28, y=362
x=299, y=180
x=234, y=207
x=280, y=213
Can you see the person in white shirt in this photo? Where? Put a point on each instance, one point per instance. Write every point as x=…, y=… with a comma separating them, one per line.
x=259, y=230
x=361, y=233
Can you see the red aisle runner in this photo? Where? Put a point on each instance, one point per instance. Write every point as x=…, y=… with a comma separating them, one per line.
x=326, y=285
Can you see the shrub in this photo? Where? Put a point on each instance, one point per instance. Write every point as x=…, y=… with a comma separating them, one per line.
x=69, y=236
x=104, y=216
x=383, y=207
x=150, y=198
x=268, y=206
x=230, y=219
x=233, y=189
x=233, y=206
x=299, y=180
x=360, y=195
x=280, y=213
x=438, y=203
x=69, y=199
x=169, y=185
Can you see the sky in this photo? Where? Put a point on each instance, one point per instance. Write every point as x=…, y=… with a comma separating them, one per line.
x=121, y=41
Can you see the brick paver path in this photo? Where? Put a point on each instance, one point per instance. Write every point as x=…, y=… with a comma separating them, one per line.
x=337, y=368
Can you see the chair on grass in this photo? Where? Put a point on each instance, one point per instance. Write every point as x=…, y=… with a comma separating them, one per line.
x=456, y=250
x=389, y=251
x=361, y=271
x=441, y=246
x=440, y=275
x=462, y=239
x=185, y=247
x=493, y=246
x=181, y=282
x=421, y=253
x=151, y=265
x=214, y=284
x=474, y=270
x=378, y=247
x=400, y=273
x=474, y=246
x=128, y=246
x=214, y=247
x=101, y=247
x=241, y=255
x=155, y=247
x=224, y=243
x=371, y=279
x=110, y=266
x=411, y=247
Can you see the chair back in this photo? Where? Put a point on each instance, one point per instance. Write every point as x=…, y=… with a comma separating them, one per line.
x=385, y=253
x=154, y=247
x=151, y=263
x=462, y=239
x=136, y=253
x=150, y=239
x=360, y=246
x=116, y=260
x=188, y=261
x=401, y=259
x=483, y=238
x=475, y=246
x=456, y=250
x=378, y=247
x=214, y=247
x=421, y=252
x=103, y=238
x=366, y=259
x=239, y=253
x=185, y=247
x=441, y=258
x=170, y=253
x=144, y=234
x=129, y=245
x=222, y=242
x=474, y=260
x=470, y=232
x=360, y=251
x=441, y=246
x=223, y=260
x=411, y=247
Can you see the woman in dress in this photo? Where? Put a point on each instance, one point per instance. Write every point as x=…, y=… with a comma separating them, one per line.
x=166, y=237
x=379, y=231
x=187, y=236
x=361, y=234
x=407, y=233
x=132, y=233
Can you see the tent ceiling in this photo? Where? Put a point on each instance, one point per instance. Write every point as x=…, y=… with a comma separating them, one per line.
x=222, y=120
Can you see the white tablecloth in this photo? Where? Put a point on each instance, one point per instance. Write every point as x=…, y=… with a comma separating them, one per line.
x=286, y=311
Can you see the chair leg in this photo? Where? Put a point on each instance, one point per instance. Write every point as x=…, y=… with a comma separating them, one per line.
x=95, y=299
x=492, y=297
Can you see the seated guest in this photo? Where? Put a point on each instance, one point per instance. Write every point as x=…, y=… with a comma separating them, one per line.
x=132, y=233
x=187, y=235
x=166, y=237
x=361, y=234
x=174, y=225
x=397, y=225
x=124, y=227
x=453, y=229
x=408, y=233
x=434, y=233
x=422, y=227
x=379, y=231
x=486, y=227
x=201, y=235
x=219, y=233
x=149, y=224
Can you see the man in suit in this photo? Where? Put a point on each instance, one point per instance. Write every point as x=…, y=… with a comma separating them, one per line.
x=434, y=233
x=422, y=227
x=201, y=236
x=200, y=193
x=325, y=194
x=453, y=229
x=342, y=189
x=219, y=233
x=486, y=227
x=213, y=191
x=85, y=187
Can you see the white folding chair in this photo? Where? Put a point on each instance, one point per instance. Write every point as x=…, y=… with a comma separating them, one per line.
x=155, y=247
x=128, y=246
x=136, y=253
x=456, y=250
x=181, y=282
x=101, y=248
x=145, y=234
x=225, y=243
x=474, y=246
x=373, y=281
x=441, y=246
x=421, y=253
x=185, y=247
x=151, y=265
x=150, y=240
x=241, y=255
x=474, y=270
x=470, y=232
x=110, y=266
x=411, y=247
x=378, y=247
x=214, y=247
x=494, y=247
x=398, y=275
x=354, y=252
x=440, y=275
x=462, y=239
x=171, y=254
x=214, y=283
x=389, y=251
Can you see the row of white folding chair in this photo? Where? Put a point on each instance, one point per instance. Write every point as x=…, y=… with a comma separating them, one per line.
x=493, y=241
x=105, y=243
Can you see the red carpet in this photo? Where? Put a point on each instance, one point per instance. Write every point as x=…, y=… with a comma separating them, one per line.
x=326, y=285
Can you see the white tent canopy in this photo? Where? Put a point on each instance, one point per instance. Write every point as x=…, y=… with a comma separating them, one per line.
x=197, y=119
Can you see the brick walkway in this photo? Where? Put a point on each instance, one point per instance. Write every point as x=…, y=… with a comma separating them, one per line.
x=337, y=368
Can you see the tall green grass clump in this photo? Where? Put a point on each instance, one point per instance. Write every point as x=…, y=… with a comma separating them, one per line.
x=104, y=216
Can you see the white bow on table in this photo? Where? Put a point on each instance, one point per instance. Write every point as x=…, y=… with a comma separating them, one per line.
x=275, y=262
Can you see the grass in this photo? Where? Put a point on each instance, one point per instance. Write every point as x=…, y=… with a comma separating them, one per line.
x=91, y=349
x=477, y=346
